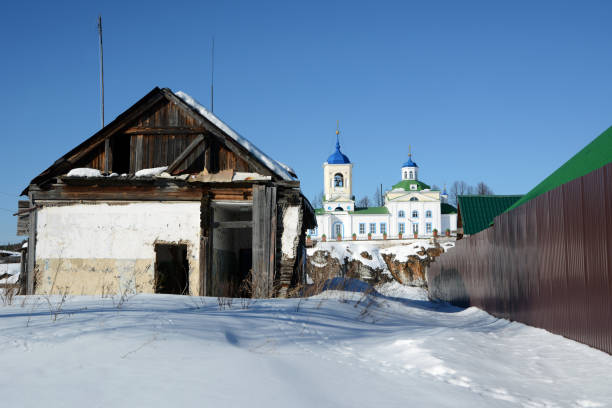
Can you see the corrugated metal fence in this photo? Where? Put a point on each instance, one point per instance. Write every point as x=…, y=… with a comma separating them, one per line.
x=547, y=263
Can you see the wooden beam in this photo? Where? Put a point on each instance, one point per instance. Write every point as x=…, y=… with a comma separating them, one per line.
x=142, y=130
x=264, y=240
x=31, y=249
x=108, y=156
x=233, y=224
x=181, y=158
x=150, y=192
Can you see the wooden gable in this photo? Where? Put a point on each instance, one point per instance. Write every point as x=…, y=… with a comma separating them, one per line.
x=159, y=130
x=157, y=138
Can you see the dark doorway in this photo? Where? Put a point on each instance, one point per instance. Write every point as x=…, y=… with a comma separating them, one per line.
x=171, y=269
x=245, y=262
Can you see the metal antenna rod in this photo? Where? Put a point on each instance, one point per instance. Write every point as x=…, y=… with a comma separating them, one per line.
x=212, y=76
x=101, y=68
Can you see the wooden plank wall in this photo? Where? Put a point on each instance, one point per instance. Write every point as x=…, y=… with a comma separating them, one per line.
x=264, y=241
x=159, y=136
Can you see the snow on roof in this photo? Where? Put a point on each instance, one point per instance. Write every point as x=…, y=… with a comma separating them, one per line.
x=156, y=171
x=280, y=169
x=84, y=172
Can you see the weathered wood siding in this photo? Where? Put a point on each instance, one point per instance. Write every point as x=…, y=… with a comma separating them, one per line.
x=159, y=137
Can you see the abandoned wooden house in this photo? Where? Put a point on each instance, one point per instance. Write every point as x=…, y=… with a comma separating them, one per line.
x=165, y=199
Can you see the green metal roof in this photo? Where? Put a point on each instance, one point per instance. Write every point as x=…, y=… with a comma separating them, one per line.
x=319, y=211
x=371, y=210
x=447, y=209
x=596, y=154
x=405, y=184
x=477, y=211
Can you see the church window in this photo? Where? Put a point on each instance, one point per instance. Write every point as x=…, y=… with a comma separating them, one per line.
x=413, y=186
x=415, y=214
x=428, y=213
x=338, y=180
x=428, y=228
x=338, y=209
x=414, y=199
x=362, y=228
x=415, y=228
x=383, y=227
x=372, y=228
x=401, y=228
x=405, y=175
x=411, y=175
x=338, y=229
x=401, y=214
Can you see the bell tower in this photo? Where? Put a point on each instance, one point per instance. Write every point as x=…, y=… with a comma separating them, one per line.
x=338, y=181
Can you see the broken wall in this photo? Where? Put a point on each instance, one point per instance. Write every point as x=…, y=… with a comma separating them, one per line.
x=110, y=247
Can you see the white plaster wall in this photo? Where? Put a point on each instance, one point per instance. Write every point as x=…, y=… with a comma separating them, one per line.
x=449, y=221
x=126, y=231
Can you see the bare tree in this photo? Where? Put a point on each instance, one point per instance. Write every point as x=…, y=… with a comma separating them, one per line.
x=435, y=187
x=364, y=202
x=458, y=188
x=317, y=200
x=377, y=198
x=483, y=189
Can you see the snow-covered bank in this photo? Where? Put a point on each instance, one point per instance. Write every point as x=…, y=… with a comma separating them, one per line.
x=375, y=262
x=337, y=349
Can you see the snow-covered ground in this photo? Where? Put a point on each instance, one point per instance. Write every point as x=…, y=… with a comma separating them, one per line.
x=337, y=349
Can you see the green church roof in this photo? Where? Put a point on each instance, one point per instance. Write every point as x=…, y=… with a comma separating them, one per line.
x=477, y=211
x=596, y=154
x=447, y=209
x=405, y=184
x=371, y=210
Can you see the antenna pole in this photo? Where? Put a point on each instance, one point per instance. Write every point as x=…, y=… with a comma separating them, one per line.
x=101, y=68
x=212, y=76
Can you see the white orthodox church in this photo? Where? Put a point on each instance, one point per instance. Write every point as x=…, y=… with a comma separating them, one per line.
x=411, y=206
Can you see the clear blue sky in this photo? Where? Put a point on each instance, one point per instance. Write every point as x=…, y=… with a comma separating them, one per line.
x=503, y=92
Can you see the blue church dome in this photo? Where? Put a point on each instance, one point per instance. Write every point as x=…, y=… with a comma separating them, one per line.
x=337, y=157
x=409, y=163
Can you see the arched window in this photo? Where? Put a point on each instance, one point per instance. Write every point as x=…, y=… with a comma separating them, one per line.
x=414, y=199
x=338, y=209
x=411, y=175
x=338, y=180
x=428, y=213
x=401, y=214
x=415, y=214
x=405, y=175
